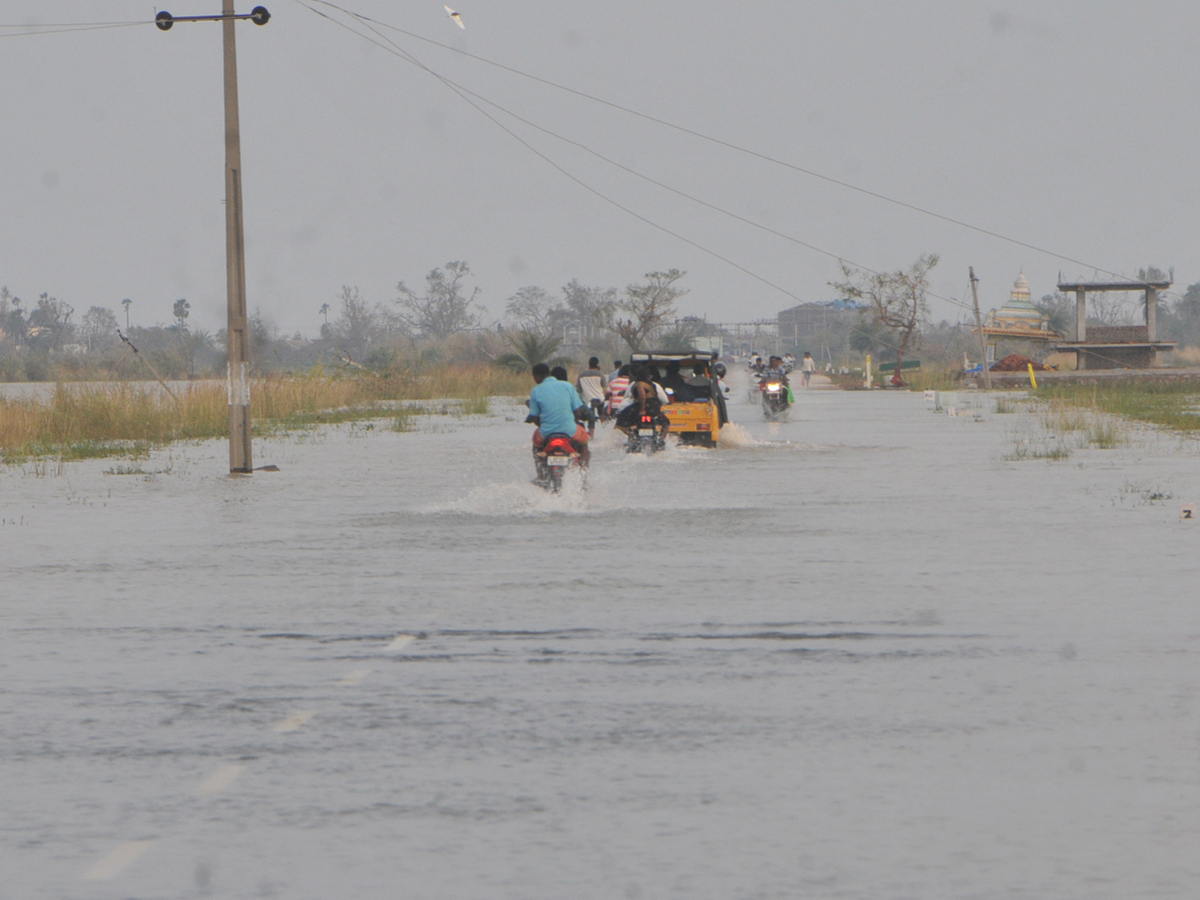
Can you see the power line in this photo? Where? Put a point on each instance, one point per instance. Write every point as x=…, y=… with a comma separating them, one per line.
x=727, y=144
x=399, y=52
x=68, y=28
x=466, y=94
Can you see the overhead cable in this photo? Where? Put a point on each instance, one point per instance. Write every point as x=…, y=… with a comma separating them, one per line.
x=466, y=95
x=726, y=144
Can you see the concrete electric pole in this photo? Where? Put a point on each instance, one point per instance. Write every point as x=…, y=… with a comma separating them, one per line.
x=236, y=334
x=987, y=372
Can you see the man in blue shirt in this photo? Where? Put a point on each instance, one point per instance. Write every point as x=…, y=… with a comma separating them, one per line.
x=552, y=406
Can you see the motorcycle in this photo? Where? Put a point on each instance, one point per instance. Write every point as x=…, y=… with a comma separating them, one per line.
x=650, y=436
x=554, y=460
x=755, y=387
x=775, y=402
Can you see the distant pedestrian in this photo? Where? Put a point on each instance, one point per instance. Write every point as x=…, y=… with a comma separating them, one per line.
x=808, y=365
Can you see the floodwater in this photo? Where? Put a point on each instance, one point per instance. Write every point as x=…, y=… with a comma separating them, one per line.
x=868, y=653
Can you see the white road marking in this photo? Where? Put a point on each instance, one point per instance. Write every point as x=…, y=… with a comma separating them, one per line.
x=294, y=721
x=400, y=641
x=221, y=779
x=116, y=861
x=354, y=677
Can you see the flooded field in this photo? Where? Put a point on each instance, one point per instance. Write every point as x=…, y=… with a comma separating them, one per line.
x=873, y=652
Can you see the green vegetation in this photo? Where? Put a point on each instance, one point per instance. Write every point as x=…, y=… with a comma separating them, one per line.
x=1173, y=404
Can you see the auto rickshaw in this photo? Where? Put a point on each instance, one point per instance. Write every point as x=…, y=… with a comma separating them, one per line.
x=697, y=416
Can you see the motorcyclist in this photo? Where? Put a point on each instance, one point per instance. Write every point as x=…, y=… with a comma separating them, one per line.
x=720, y=371
x=617, y=389
x=553, y=405
x=775, y=371
x=592, y=385
x=641, y=399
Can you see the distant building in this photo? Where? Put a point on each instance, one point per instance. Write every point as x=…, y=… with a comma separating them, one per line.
x=822, y=329
x=1019, y=326
x=1019, y=318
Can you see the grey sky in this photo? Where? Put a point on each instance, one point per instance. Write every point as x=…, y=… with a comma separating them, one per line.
x=1068, y=125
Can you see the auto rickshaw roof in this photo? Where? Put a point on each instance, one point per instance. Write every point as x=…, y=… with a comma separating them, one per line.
x=696, y=357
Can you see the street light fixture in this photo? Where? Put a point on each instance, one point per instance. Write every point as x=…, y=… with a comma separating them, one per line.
x=236, y=335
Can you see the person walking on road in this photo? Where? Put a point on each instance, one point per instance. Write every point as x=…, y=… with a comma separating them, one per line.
x=808, y=365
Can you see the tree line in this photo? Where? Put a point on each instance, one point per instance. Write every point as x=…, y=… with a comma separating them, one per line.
x=443, y=320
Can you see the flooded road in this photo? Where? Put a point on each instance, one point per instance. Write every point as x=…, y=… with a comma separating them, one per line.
x=871, y=654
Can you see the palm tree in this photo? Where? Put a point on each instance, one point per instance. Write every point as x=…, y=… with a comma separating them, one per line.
x=324, y=311
x=529, y=349
x=127, y=303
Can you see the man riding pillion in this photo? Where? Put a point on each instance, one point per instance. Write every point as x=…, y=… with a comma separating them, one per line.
x=641, y=399
x=553, y=405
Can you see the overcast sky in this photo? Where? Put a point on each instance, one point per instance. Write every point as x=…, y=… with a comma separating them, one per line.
x=1071, y=126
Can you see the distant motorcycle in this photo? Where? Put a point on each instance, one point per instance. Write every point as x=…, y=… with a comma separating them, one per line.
x=774, y=399
x=650, y=436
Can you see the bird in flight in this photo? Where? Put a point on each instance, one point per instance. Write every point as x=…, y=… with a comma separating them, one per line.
x=456, y=17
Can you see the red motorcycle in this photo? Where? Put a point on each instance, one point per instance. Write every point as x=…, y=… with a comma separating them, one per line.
x=553, y=461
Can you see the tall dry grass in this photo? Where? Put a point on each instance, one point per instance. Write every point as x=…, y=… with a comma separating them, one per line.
x=100, y=419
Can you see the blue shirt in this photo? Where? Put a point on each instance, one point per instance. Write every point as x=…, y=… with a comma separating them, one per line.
x=555, y=402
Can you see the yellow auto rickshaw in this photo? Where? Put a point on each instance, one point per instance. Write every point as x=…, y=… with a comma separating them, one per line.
x=697, y=407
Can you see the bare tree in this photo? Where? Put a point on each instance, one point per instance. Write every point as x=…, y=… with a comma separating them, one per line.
x=443, y=309
x=531, y=309
x=897, y=299
x=591, y=309
x=52, y=320
x=99, y=329
x=1111, y=308
x=649, y=304
x=358, y=326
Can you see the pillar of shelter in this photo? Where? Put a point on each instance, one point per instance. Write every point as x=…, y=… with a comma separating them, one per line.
x=1080, y=326
x=1151, y=314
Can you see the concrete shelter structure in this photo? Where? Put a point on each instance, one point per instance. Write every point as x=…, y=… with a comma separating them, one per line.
x=1115, y=347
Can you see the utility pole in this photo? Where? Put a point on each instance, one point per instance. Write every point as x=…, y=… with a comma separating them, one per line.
x=987, y=373
x=236, y=333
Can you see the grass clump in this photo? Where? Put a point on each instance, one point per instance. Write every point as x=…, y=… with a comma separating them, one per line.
x=1104, y=434
x=1059, y=416
x=1055, y=452
x=927, y=378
